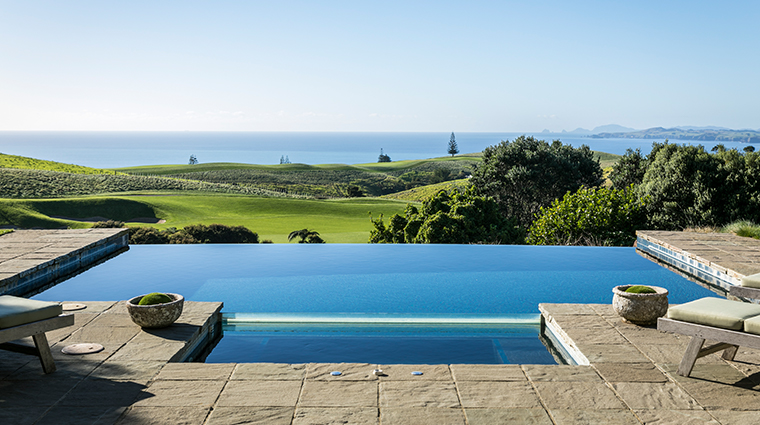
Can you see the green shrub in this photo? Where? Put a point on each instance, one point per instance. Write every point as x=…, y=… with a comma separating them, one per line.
x=108, y=224
x=596, y=216
x=640, y=289
x=147, y=235
x=743, y=228
x=220, y=233
x=155, y=298
x=195, y=233
x=449, y=217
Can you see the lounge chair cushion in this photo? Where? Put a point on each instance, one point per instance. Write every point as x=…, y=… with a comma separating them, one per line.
x=751, y=281
x=16, y=311
x=717, y=312
x=752, y=325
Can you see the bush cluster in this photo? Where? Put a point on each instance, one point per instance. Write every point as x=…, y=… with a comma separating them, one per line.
x=193, y=234
x=686, y=186
x=108, y=224
x=458, y=217
x=590, y=216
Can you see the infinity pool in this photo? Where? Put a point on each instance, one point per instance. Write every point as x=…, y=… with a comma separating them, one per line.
x=376, y=303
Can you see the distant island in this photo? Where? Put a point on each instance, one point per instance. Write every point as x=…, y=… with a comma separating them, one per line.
x=709, y=134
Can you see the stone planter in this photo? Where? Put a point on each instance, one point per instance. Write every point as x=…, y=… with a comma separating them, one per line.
x=156, y=315
x=640, y=309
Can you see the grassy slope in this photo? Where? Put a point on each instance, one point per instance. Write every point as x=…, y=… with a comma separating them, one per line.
x=216, y=166
x=607, y=160
x=338, y=221
x=419, y=194
x=22, y=162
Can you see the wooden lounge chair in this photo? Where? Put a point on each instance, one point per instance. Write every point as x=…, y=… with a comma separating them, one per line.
x=730, y=323
x=20, y=318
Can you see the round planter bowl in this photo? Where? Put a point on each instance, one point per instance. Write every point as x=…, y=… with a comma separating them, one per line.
x=156, y=315
x=640, y=309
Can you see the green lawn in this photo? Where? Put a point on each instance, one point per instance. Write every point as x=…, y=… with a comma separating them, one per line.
x=337, y=221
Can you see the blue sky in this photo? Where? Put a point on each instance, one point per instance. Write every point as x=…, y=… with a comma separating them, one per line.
x=377, y=66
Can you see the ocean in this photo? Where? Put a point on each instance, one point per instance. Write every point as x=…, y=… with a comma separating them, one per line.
x=126, y=149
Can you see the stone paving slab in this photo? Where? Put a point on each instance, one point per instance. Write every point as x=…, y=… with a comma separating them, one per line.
x=468, y=372
x=335, y=394
x=251, y=415
x=503, y=394
x=507, y=416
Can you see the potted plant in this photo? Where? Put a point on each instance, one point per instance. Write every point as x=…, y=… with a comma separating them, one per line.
x=155, y=310
x=640, y=304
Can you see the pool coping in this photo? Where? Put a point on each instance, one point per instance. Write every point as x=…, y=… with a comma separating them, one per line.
x=715, y=260
x=34, y=260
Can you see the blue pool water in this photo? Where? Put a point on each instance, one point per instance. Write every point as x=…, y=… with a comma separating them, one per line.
x=376, y=303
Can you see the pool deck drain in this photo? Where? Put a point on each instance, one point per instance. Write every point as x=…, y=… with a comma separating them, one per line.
x=138, y=379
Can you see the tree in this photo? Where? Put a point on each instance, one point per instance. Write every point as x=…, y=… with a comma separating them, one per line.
x=453, y=148
x=306, y=236
x=193, y=160
x=749, y=149
x=680, y=188
x=383, y=157
x=590, y=216
x=630, y=169
x=449, y=217
x=524, y=175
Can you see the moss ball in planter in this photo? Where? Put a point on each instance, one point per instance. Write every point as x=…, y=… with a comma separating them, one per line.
x=640, y=289
x=155, y=315
x=640, y=308
x=155, y=298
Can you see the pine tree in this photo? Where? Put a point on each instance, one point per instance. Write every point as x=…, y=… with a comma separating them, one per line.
x=453, y=148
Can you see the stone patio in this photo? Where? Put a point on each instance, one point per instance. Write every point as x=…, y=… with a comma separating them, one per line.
x=142, y=378
x=631, y=380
